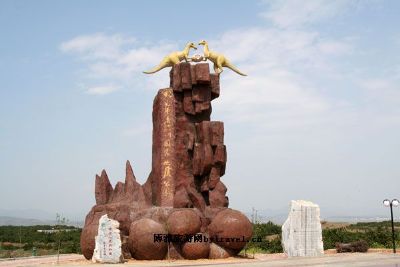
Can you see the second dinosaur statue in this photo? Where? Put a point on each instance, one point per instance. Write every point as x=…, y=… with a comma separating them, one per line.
x=219, y=60
x=173, y=58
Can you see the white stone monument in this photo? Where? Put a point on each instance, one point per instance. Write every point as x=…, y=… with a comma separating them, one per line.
x=302, y=232
x=107, y=242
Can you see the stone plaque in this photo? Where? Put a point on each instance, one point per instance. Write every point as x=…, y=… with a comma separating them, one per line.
x=107, y=242
x=301, y=232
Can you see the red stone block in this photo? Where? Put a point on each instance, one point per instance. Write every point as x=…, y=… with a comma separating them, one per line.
x=176, y=78
x=178, y=104
x=217, y=196
x=193, y=74
x=217, y=133
x=202, y=73
x=208, y=159
x=188, y=105
x=202, y=107
x=198, y=155
x=214, y=85
x=214, y=176
x=220, y=155
x=186, y=78
x=202, y=159
x=190, y=137
x=201, y=93
x=203, y=132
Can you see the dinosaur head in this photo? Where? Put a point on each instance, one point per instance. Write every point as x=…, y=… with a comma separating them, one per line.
x=203, y=42
x=192, y=45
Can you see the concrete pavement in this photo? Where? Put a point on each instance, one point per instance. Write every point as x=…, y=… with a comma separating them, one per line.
x=330, y=260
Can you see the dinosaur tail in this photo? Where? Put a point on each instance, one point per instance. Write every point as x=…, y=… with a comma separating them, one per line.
x=163, y=64
x=154, y=70
x=229, y=65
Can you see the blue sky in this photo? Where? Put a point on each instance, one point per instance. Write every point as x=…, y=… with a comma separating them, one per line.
x=318, y=117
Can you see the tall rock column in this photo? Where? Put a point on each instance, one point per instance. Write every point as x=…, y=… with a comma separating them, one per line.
x=164, y=163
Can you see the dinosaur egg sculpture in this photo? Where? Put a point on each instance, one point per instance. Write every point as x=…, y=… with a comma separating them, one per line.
x=198, y=58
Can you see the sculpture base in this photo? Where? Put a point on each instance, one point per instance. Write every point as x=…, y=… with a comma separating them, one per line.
x=160, y=233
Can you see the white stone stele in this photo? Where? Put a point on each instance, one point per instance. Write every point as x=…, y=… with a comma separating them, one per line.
x=302, y=232
x=107, y=242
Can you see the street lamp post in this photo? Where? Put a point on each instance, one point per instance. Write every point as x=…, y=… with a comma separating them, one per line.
x=390, y=204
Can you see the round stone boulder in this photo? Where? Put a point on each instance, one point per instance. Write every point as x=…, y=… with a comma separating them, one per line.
x=196, y=250
x=142, y=243
x=88, y=235
x=230, y=229
x=183, y=222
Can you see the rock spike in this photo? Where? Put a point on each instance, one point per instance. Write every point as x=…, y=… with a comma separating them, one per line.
x=103, y=188
x=130, y=179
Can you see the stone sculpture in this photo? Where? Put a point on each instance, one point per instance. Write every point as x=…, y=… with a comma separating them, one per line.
x=301, y=232
x=107, y=242
x=183, y=200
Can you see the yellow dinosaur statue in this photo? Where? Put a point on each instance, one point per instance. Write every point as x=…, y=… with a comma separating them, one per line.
x=219, y=60
x=173, y=58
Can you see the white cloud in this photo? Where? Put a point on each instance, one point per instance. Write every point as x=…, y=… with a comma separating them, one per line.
x=382, y=90
x=97, y=46
x=280, y=89
x=296, y=13
x=335, y=47
x=101, y=90
x=272, y=48
x=116, y=59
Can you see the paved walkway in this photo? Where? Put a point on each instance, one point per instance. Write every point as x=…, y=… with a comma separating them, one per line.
x=333, y=260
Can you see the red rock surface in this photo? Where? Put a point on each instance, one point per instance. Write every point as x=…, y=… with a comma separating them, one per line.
x=184, y=190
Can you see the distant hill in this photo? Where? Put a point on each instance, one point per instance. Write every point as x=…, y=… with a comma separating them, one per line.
x=279, y=216
x=28, y=217
x=6, y=220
